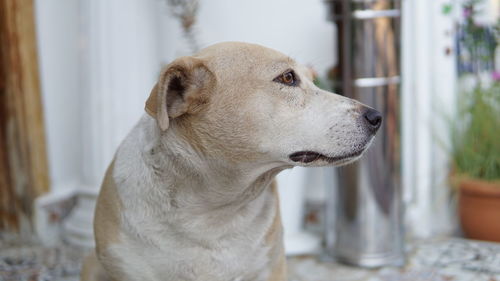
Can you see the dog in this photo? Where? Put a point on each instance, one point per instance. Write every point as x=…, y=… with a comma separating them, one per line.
x=190, y=193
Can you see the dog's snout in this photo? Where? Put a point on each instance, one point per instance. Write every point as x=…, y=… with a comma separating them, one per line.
x=373, y=119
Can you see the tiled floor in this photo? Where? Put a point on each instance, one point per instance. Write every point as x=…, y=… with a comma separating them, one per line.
x=24, y=259
x=440, y=260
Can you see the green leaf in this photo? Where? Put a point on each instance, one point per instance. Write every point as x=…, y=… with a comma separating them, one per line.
x=447, y=8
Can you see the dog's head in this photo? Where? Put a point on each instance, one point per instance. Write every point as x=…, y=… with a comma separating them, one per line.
x=243, y=102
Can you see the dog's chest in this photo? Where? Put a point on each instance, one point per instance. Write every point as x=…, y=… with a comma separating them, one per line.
x=230, y=261
x=229, y=248
x=240, y=253
x=238, y=257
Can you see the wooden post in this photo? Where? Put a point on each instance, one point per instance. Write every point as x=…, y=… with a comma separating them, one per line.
x=23, y=160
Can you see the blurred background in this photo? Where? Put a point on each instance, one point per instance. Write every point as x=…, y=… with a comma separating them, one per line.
x=74, y=76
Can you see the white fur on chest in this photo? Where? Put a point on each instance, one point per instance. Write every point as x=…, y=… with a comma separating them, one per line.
x=162, y=240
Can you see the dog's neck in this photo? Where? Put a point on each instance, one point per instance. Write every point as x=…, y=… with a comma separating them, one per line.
x=166, y=184
x=202, y=182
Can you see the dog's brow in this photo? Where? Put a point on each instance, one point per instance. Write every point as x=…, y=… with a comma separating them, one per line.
x=282, y=64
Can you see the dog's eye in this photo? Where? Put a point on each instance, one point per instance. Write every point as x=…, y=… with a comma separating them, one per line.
x=287, y=78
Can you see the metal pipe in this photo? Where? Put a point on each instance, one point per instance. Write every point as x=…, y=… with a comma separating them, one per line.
x=368, y=219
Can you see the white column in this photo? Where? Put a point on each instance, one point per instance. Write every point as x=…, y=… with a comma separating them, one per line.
x=119, y=63
x=428, y=97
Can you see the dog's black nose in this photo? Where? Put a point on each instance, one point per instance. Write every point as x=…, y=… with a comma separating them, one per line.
x=373, y=118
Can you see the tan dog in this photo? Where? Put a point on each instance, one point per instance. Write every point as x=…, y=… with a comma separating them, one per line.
x=190, y=193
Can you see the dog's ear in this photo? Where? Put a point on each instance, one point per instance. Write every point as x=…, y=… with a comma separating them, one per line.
x=183, y=87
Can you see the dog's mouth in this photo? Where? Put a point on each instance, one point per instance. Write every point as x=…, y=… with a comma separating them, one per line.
x=312, y=156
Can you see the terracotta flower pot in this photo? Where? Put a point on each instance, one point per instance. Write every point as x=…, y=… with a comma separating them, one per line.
x=479, y=208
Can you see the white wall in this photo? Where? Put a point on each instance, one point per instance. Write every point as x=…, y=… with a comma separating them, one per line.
x=295, y=27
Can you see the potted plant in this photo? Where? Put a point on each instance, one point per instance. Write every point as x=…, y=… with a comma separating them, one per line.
x=475, y=130
x=476, y=162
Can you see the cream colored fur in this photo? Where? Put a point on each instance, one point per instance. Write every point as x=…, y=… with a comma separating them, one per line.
x=190, y=193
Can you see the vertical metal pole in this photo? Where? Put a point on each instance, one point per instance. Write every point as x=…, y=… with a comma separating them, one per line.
x=369, y=211
x=345, y=51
